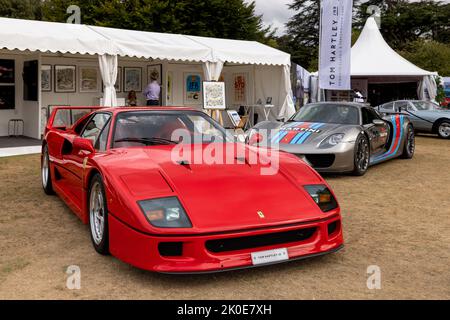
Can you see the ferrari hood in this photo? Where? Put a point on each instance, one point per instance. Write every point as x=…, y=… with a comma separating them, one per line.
x=231, y=196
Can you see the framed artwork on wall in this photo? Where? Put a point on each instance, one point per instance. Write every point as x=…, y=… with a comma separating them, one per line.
x=169, y=87
x=192, y=88
x=46, y=78
x=118, y=84
x=132, y=79
x=65, y=78
x=7, y=71
x=89, y=79
x=240, y=88
x=214, y=95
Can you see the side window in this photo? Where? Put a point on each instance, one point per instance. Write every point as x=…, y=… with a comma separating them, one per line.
x=102, y=140
x=401, y=104
x=368, y=116
x=387, y=107
x=94, y=127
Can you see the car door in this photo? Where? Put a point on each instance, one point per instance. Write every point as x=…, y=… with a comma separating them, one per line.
x=96, y=130
x=423, y=118
x=378, y=134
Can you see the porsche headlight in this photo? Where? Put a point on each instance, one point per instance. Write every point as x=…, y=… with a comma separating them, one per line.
x=332, y=140
x=322, y=196
x=165, y=213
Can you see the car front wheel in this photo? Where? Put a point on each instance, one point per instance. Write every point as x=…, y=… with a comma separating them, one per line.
x=46, y=173
x=362, y=156
x=98, y=216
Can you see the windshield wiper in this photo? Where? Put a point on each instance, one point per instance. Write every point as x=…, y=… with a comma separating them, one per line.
x=148, y=141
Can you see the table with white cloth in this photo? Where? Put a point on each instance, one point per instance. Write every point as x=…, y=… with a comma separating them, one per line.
x=250, y=111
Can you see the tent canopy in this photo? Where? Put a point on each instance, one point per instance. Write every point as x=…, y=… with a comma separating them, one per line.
x=69, y=38
x=372, y=56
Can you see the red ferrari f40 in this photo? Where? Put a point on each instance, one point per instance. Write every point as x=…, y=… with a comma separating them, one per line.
x=159, y=190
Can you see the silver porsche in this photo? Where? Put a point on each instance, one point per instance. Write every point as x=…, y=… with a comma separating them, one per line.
x=338, y=137
x=427, y=117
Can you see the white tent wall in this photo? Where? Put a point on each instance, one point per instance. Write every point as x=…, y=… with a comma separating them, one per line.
x=274, y=81
x=31, y=109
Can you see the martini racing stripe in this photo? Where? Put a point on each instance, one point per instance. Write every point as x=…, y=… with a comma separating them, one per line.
x=297, y=132
x=398, y=122
x=306, y=135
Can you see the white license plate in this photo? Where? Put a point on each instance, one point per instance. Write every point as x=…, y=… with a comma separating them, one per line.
x=269, y=256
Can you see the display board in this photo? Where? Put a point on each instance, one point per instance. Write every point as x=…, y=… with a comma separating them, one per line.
x=214, y=95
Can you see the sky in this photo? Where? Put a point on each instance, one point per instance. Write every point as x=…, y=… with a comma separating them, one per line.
x=277, y=13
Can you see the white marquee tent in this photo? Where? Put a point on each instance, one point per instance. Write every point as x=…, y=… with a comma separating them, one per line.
x=373, y=60
x=269, y=68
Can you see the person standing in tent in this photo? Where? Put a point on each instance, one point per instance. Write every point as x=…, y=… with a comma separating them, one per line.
x=153, y=90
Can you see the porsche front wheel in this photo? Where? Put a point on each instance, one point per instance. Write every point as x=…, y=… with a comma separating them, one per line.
x=45, y=172
x=362, y=156
x=98, y=216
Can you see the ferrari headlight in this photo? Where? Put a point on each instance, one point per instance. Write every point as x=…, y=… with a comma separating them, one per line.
x=322, y=196
x=332, y=140
x=165, y=213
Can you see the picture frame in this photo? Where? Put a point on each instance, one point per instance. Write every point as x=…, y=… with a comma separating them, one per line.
x=65, y=78
x=240, y=88
x=234, y=117
x=156, y=70
x=132, y=79
x=89, y=79
x=8, y=71
x=46, y=78
x=214, y=97
x=169, y=81
x=118, y=84
x=192, y=88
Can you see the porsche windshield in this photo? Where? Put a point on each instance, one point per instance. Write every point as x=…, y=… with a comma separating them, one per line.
x=138, y=128
x=328, y=113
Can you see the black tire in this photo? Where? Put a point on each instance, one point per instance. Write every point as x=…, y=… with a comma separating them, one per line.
x=46, y=174
x=409, y=146
x=100, y=240
x=361, y=158
x=444, y=134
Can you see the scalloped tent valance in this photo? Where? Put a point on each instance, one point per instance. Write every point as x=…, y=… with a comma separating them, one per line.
x=16, y=34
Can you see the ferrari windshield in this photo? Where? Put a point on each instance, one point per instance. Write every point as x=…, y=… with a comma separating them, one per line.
x=143, y=128
x=328, y=113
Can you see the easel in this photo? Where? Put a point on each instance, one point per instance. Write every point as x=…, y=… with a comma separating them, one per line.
x=216, y=114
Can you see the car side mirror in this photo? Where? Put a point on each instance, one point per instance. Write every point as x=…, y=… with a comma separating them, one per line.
x=378, y=122
x=82, y=144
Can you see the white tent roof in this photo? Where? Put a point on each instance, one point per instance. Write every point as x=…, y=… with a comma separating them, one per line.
x=51, y=37
x=68, y=38
x=372, y=56
x=244, y=52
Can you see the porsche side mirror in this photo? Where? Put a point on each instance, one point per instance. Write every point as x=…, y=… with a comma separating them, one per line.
x=378, y=122
x=82, y=144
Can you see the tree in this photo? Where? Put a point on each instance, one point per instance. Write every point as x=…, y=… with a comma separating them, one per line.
x=234, y=19
x=403, y=22
x=302, y=37
x=21, y=9
x=429, y=55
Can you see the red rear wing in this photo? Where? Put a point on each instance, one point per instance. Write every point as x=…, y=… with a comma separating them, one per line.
x=65, y=117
